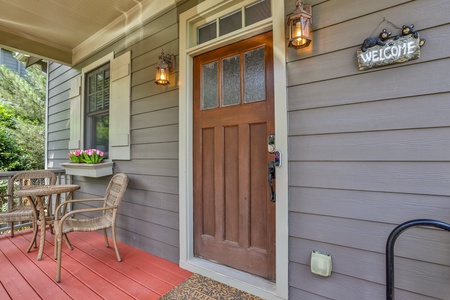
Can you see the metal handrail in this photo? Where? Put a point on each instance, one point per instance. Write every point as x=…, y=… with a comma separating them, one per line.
x=391, y=243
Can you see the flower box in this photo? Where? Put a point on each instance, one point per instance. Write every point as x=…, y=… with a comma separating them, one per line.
x=89, y=170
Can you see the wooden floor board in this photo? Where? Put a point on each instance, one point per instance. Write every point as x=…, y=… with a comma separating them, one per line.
x=90, y=271
x=134, y=273
x=134, y=279
x=153, y=265
x=30, y=271
x=71, y=285
x=13, y=282
x=3, y=293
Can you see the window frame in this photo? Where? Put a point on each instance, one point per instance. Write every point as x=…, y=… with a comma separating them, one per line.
x=90, y=116
x=107, y=59
x=119, y=106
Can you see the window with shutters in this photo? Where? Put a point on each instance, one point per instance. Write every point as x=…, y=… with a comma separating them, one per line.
x=97, y=109
x=100, y=112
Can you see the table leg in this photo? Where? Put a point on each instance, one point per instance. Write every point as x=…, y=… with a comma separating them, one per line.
x=42, y=224
x=35, y=226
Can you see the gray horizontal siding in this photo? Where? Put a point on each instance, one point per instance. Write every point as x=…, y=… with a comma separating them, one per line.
x=148, y=217
x=368, y=151
x=8, y=59
x=427, y=144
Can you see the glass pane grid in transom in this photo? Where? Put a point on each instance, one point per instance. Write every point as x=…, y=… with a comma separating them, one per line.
x=207, y=32
x=257, y=12
x=248, y=14
x=230, y=23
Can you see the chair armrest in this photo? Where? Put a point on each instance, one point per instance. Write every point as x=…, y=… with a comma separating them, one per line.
x=84, y=210
x=63, y=205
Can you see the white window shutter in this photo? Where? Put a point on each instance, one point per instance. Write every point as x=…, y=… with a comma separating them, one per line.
x=75, y=113
x=119, y=109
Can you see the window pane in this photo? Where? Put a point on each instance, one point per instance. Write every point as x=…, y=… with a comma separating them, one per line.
x=100, y=81
x=99, y=97
x=206, y=32
x=91, y=83
x=254, y=76
x=92, y=103
x=231, y=83
x=106, y=90
x=230, y=23
x=101, y=133
x=98, y=89
x=210, y=89
x=257, y=12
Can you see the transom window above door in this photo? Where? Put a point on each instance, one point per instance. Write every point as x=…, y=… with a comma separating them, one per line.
x=250, y=13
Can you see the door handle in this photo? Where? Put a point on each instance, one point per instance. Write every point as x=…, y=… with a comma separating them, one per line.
x=271, y=177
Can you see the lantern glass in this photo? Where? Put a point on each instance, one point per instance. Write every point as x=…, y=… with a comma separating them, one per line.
x=300, y=32
x=162, y=74
x=165, y=66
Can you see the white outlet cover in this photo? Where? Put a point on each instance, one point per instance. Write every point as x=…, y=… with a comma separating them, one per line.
x=321, y=264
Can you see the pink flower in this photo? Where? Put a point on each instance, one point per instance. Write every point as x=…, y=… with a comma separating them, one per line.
x=91, y=156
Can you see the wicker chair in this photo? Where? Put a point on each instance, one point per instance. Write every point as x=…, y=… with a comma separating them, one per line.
x=107, y=219
x=21, y=210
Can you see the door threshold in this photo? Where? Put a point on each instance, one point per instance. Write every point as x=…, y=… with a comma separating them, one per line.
x=246, y=282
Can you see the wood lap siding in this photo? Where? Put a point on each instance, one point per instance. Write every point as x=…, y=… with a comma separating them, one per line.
x=368, y=150
x=148, y=216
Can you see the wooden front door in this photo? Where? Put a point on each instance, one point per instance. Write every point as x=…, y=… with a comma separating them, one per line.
x=234, y=218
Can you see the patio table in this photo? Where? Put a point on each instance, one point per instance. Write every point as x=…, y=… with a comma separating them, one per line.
x=35, y=194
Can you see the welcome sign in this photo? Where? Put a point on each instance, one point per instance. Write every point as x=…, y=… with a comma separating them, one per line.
x=403, y=49
x=386, y=50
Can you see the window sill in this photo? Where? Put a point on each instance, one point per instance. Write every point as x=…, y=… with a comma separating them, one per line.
x=89, y=170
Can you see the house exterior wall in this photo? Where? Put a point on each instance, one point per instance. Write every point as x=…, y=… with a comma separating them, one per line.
x=148, y=217
x=368, y=150
x=7, y=58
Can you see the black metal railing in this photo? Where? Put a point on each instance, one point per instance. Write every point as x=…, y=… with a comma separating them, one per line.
x=61, y=178
x=391, y=243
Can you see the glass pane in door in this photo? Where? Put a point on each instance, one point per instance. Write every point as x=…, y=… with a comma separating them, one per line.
x=231, y=83
x=210, y=88
x=254, y=76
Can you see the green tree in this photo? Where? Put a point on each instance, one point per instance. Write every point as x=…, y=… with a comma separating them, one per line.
x=22, y=119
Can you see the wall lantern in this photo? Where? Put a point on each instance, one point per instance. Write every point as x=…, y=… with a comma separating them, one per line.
x=300, y=26
x=166, y=65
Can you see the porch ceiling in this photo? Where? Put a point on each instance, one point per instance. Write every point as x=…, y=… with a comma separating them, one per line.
x=54, y=29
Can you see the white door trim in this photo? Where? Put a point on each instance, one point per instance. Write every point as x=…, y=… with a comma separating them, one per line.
x=238, y=279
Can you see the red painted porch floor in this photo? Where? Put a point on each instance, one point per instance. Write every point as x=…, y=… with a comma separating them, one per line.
x=90, y=271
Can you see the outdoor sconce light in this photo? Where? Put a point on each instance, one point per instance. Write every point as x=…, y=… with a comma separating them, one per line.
x=166, y=65
x=300, y=26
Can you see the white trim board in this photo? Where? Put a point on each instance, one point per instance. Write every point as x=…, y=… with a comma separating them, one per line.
x=238, y=279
